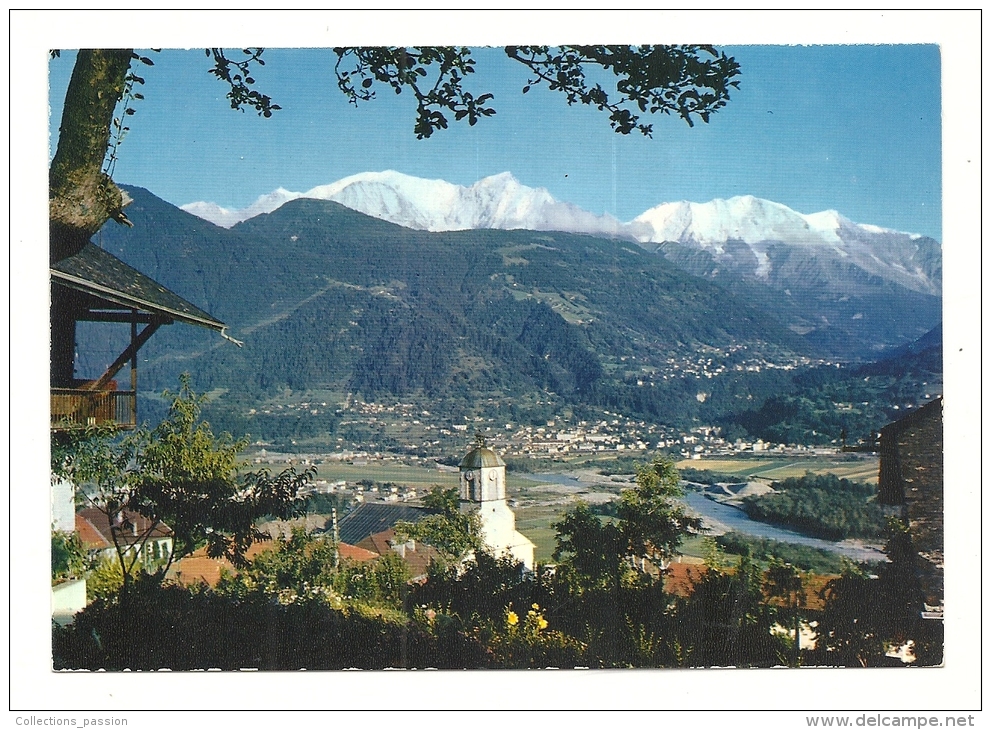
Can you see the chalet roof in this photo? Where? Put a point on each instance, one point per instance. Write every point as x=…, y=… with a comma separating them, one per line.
x=89, y=535
x=104, y=276
x=370, y=518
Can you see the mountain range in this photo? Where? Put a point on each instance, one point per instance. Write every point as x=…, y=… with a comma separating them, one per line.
x=327, y=298
x=502, y=202
x=849, y=289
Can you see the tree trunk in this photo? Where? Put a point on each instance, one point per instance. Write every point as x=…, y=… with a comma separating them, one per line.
x=81, y=197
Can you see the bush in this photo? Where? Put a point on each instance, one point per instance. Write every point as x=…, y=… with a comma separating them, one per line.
x=68, y=556
x=529, y=643
x=763, y=550
x=181, y=629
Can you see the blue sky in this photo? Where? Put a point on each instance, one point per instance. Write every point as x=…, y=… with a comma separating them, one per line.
x=853, y=128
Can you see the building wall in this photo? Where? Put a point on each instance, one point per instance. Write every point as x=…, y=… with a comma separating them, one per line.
x=68, y=599
x=911, y=479
x=484, y=484
x=63, y=506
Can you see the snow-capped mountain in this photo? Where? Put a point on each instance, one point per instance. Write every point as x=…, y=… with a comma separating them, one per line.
x=499, y=201
x=753, y=238
x=225, y=217
x=764, y=227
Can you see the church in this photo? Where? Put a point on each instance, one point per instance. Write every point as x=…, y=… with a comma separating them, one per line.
x=483, y=488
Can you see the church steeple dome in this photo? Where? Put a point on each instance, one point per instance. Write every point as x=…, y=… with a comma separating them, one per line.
x=481, y=456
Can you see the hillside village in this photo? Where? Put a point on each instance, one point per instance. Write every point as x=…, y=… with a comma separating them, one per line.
x=424, y=436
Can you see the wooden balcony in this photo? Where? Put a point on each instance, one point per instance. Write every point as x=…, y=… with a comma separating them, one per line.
x=79, y=408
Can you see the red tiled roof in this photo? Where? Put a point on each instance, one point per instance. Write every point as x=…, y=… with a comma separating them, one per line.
x=379, y=542
x=132, y=527
x=418, y=559
x=680, y=580
x=353, y=552
x=201, y=568
x=91, y=537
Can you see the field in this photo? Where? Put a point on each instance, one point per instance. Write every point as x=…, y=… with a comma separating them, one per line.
x=414, y=476
x=535, y=522
x=862, y=469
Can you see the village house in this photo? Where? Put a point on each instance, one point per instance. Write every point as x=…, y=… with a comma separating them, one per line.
x=132, y=533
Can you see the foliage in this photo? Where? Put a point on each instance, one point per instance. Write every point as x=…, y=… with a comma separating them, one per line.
x=304, y=568
x=619, y=465
x=68, y=556
x=649, y=525
x=654, y=523
x=434, y=75
x=820, y=505
x=592, y=552
x=651, y=79
x=686, y=80
x=80, y=454
x=292, y=608
x=530, y=643
x=595, y=627
x=119, y=128
x=185, y=629
x=867, y=615
x=454, y=533
x=726, y=621
x=182, y=476
x=763, y=550
x=849, y=632
x=704, y=476
x=105, y=579
x=784, y=587
x=479, y=589
x=323, y=504
x=383, y=581
x=821, y=404
x=237, y=74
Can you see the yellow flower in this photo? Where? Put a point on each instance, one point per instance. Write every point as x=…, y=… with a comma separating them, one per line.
x=512, y=619
x=541, y=623
x=535, y=607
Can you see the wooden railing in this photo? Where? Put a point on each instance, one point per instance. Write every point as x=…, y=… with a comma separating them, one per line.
x=78, y=408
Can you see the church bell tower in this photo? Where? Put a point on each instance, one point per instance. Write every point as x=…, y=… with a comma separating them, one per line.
x=483, y=488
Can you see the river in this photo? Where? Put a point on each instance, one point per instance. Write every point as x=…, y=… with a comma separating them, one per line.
x=720, y=518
